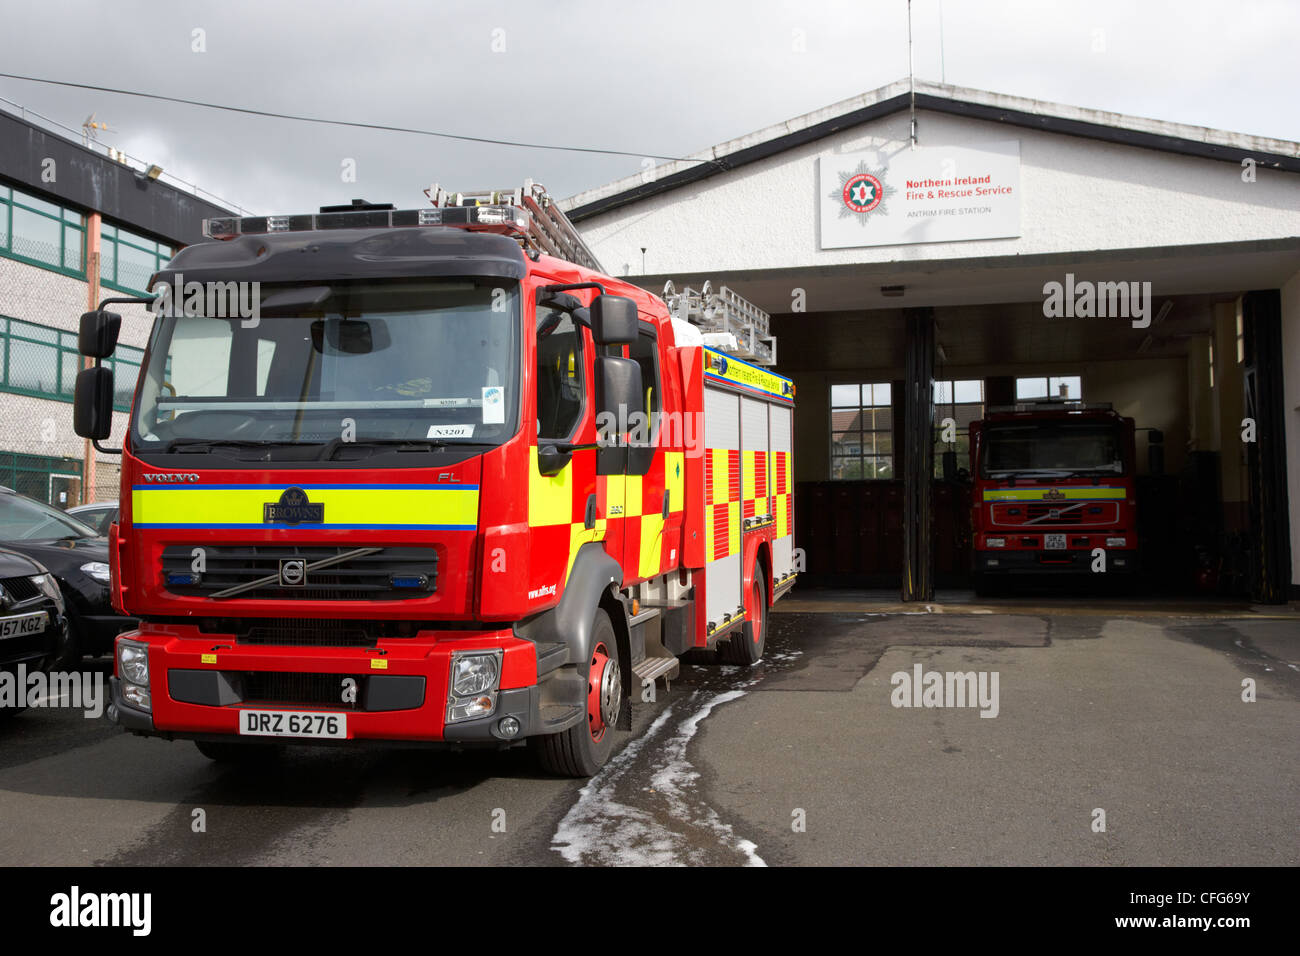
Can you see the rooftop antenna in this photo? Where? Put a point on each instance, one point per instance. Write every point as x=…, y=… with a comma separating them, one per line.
x=90, y=130
x=911, y=77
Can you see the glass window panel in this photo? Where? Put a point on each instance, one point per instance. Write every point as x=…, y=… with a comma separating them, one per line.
x=971, y=390
x=131, y=237
x=72, y=249
x=71, y=215
x=40, y=205
x=71, y=364
x=33, y=367
x=107, y=230
x=4, y=226
x=108, y=261
x=1072, y=383
x=36, y=237
x=134, y=266
x=124, y=376
x=942, y=393
x=846, y=468
x=30, y=330
x=844, y=396
x=1031, y=388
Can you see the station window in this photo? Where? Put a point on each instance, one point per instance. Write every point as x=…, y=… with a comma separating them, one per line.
x=1049, y=386
x=41, y=233
x=962, y=401
x=862, y=431
x=127, y=260
x=43, y=362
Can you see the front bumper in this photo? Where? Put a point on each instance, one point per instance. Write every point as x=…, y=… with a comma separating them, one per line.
x=34, y=647
x=199, y=684
x=1026, y=561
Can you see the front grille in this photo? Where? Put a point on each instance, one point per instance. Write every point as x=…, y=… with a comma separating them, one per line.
x=306, y=633
x=1041, y=513
x=319, y=690
x=361, y=578
x=19, y=589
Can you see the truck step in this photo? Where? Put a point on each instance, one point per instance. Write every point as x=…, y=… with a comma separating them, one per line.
x=550, y=656
x=652, y=668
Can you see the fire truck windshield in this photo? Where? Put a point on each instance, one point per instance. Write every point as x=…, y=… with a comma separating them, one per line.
x=375, y=363
x=1050, y=448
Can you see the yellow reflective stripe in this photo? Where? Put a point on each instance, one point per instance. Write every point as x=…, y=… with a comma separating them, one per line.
x=632, y=494
x=1046, y=494
x=652, y=538
x=579, y=535
x=721, y=491
x=675, y=479
x=205, y=507
x=748, y=466
x=550, y=498
x=733, y=528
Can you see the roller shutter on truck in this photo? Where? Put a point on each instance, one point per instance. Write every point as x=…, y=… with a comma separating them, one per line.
x=747, y=479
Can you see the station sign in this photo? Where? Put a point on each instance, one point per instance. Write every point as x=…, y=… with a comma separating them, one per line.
x=928, y=194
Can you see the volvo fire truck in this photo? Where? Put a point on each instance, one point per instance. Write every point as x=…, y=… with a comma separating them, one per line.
x=450, y=485
x=1054, y=492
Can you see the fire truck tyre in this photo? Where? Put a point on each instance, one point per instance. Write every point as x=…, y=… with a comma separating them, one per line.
x=745, y=649
x=583, y=749
x=224, y=752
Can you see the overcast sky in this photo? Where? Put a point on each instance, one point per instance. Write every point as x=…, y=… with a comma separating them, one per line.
x=666, y=78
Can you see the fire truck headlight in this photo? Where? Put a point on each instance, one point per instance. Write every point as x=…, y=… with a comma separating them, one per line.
x=995, y=542
x=474, y=680
x=473, y=674
x=1116, y=542
x=133, y=662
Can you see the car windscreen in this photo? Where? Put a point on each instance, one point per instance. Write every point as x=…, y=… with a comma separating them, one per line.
x=23, y=519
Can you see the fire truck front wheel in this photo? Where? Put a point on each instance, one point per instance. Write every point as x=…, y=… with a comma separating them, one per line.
x=585, y=747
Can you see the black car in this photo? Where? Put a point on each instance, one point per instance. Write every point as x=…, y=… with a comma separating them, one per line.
x=32, y=623
x=99, y=515
x=78, y=559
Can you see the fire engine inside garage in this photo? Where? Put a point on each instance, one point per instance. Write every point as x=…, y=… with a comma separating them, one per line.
x=1069, y=282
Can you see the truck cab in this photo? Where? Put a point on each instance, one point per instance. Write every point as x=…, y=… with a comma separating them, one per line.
x=407, y=478
x=1053, y=493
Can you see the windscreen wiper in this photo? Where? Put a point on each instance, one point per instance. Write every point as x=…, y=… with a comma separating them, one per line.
x=207, y=444
x=332, y=446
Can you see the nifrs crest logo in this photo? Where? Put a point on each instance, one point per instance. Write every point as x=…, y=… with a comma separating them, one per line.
x=292, y=508
x=1053, y=494
x=862, y=193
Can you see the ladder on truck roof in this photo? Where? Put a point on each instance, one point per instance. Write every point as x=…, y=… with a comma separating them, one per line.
x=548, y=230
x=729, y=321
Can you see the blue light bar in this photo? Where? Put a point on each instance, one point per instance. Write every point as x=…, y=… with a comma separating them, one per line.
x=489, y=218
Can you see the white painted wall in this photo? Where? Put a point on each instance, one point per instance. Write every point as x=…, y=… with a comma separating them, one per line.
x=1077, y=195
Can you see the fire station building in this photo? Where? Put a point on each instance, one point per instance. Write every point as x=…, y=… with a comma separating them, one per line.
x=78, y=223
x=994, y=251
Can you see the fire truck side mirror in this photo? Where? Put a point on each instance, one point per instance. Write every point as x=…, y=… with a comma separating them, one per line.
x=618, y=391
x=613, y=320
x=92, y=403
x=97, y=336
x=551, y=459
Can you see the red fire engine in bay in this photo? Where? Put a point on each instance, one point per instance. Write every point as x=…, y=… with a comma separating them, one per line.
x=1053, y=482
x=449, y=485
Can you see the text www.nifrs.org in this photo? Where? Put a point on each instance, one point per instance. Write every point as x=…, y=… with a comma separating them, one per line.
x=1203, y=923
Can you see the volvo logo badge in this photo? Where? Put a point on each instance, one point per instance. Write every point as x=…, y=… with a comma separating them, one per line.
x=292, y=508
x=293, y=572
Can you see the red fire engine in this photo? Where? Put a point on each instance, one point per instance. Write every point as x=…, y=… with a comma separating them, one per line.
x=449, y=485
x=1054, y=481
